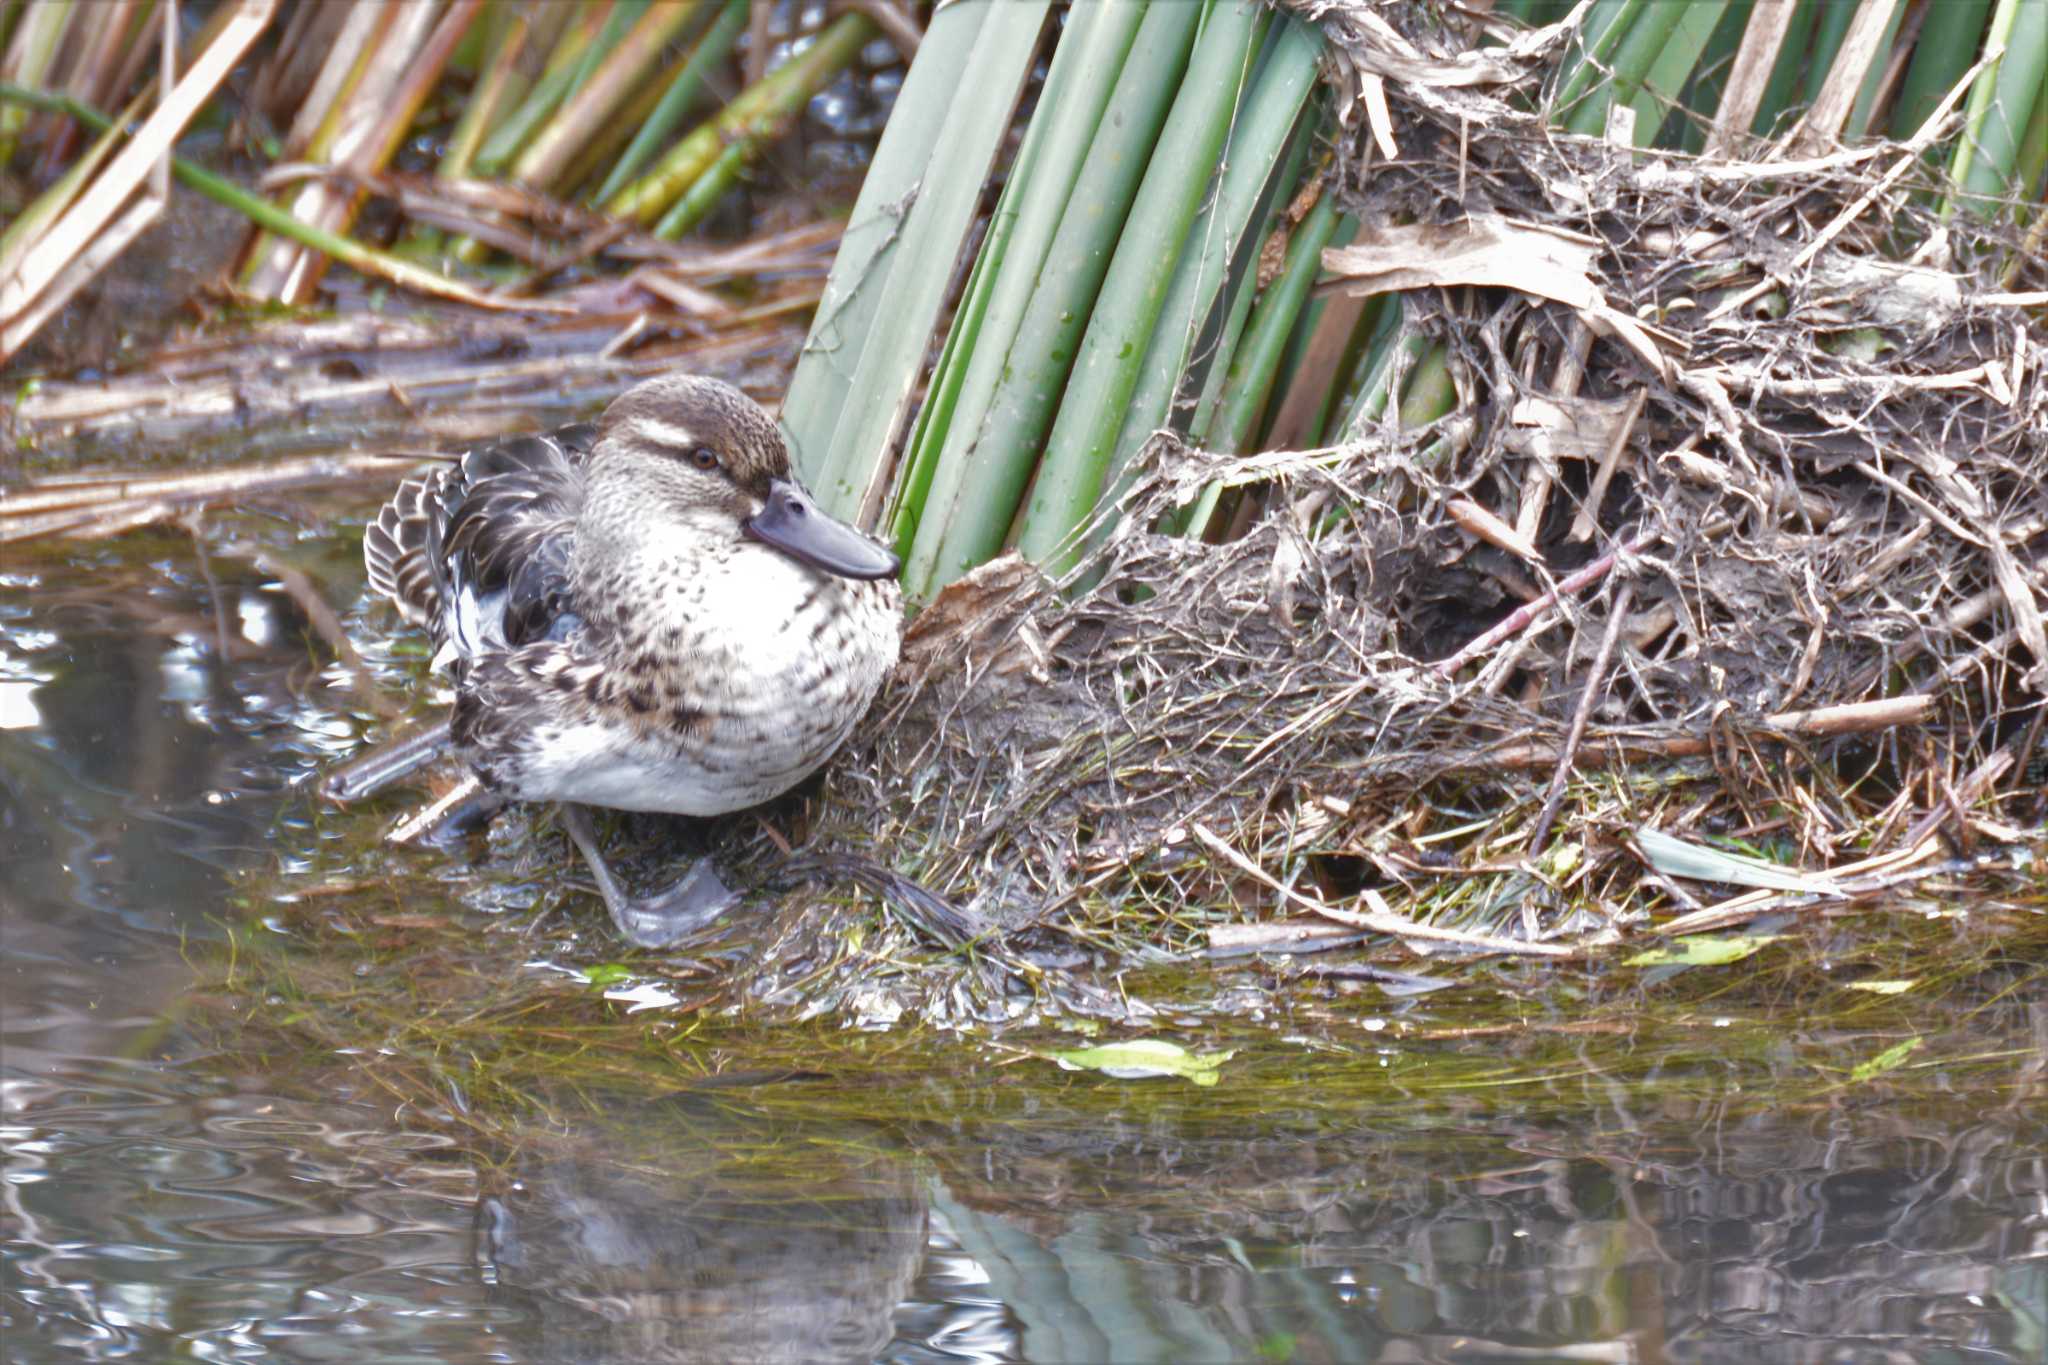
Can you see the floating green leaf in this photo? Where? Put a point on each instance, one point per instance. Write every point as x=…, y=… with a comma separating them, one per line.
x=1888, y=1060
x=1704, y=951
x=1144, y=1058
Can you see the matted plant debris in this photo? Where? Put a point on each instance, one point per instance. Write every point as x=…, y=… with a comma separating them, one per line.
x=1776, y=437
x=1727, y=548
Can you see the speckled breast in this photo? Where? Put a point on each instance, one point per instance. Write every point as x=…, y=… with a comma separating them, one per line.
x=721, y=683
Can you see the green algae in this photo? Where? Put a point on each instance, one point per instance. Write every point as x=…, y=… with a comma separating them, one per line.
x=434, y=1001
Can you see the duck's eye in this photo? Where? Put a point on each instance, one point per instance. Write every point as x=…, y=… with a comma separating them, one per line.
x=704, y=459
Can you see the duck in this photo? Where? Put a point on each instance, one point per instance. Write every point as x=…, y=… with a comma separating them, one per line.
x=645, y=613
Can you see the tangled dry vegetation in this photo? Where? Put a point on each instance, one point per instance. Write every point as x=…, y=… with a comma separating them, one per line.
x=1735, y=530
x=1757, y=532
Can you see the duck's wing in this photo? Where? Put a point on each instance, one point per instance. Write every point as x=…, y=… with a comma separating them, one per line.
x=478, y=551
x=395, y=547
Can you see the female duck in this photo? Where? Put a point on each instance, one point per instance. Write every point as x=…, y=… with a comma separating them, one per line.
x=649, y=614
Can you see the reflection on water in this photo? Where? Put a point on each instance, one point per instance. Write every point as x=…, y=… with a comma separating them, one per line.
x=154, y=1214
x=672, y=1232
x=1831, y=1235
x=163, y=1202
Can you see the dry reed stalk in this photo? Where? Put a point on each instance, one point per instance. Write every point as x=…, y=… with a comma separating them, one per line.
x=384, y=90
x=88, y=507
x=1596, y=683
x=624, y=69
x=1820, y=127
x=41, y=283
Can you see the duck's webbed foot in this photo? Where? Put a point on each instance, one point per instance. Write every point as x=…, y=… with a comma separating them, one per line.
x=664, y=918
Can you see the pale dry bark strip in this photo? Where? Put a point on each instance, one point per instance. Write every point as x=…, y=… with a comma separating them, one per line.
x=1375, y=923
x=1747, y=78
x=1822, y=123
x=1819, y=723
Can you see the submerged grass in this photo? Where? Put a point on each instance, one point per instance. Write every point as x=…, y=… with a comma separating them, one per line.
x=1273, y=697
x=419, y=1004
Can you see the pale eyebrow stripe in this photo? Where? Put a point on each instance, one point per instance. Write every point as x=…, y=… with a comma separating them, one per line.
x=666, y=433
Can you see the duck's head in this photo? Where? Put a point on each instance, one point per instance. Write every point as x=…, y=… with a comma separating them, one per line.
x=708, y=457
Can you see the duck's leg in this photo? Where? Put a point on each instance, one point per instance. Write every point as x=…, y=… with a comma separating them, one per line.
x=656, y=921
x=392, y=761
x=464, y=809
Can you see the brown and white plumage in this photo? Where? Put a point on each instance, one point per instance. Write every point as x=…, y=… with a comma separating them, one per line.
x=648, y=613
x=499, y=519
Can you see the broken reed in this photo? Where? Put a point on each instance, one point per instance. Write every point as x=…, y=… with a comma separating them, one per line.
x=585, y=102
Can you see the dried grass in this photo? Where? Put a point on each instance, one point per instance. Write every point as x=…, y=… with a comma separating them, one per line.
x=1823, y=523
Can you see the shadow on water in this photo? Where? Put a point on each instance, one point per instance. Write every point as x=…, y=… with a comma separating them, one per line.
x=1601, y=1177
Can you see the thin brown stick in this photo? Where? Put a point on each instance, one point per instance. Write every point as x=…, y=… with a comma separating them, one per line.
x=1856, y=717
x=1520, y=618
x=1596, y=685
x=757, y=42
x=1822, y=722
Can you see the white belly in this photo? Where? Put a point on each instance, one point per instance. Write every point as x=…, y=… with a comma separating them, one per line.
x=601, y=764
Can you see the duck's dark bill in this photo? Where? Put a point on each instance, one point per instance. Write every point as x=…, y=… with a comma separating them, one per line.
x=792, y=523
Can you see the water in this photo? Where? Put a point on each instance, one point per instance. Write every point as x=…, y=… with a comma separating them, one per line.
x=190, y=1174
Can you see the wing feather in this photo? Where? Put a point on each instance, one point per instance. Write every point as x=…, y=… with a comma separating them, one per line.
x=479, y=551
x=395, y=545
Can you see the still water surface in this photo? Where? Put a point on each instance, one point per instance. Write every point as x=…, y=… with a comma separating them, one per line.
x=170, y=1195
